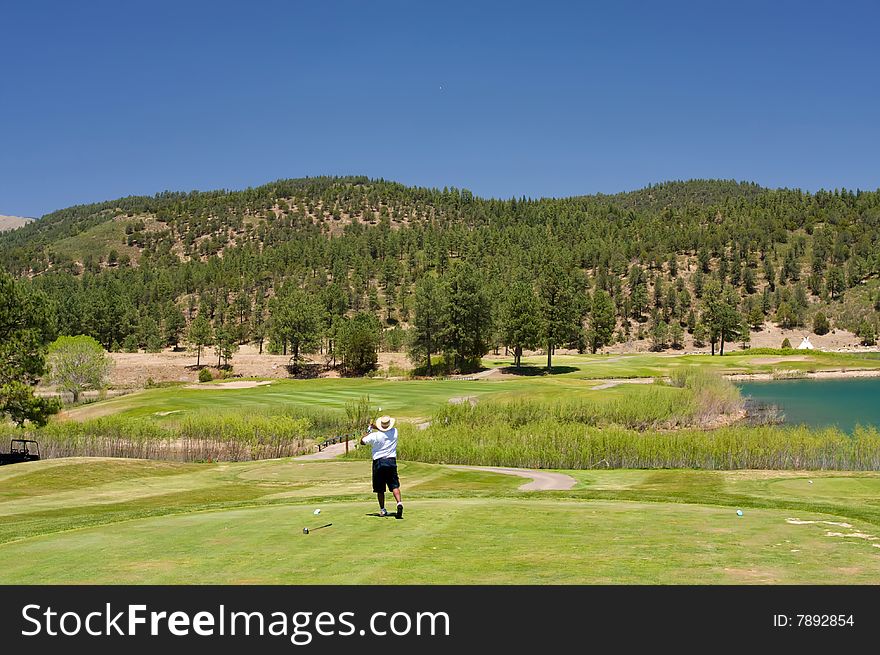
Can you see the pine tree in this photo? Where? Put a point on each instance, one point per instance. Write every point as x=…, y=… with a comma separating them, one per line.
x=521, y=320
x=296, y=321
x=173, y=325
x=427, y=322
x=602, y=321
x=659, y=334
x=148, y=334
x=745, y=336
x=357, y=343
x=199, y=335
x=225, y=344
x=836, y=281
x=756, y=317
x=556, y=291
x=466, y=321
x=721, y=316
x=25, y=328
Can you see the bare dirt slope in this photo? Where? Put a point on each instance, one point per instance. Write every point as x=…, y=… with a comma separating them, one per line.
x=12, y=222
x=770, y=336
x=132, y=370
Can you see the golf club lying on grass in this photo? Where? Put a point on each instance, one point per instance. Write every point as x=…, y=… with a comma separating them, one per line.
x=307, y=530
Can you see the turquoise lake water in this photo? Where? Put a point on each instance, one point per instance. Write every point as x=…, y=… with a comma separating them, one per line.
x=821, y=403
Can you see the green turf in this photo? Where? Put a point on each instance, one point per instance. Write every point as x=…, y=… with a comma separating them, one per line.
x=662, y=364
x=112, y=521
x=412, y=399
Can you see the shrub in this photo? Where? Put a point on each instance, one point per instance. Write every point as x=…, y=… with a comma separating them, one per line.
x=820, y=323
x=786, y=344
x=205, y=375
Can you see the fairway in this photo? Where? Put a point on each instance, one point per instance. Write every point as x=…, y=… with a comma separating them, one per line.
x=122, y=521
x=412, y=398
x=573, y=376
x=406, y=399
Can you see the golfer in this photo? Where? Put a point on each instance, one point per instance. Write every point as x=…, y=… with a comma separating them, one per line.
x=383, y=441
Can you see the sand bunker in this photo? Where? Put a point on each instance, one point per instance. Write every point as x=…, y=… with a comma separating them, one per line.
x=238, y=384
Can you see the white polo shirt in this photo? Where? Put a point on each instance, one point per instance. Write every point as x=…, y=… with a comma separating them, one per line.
x=383, y=443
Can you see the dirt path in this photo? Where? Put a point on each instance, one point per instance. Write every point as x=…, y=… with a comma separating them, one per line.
x=330, y=452
x=607, y=383
x=540, y=480
x=485, y=374
x=482, y=375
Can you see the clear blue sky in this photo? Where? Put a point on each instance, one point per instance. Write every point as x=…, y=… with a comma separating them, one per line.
x=104, y=99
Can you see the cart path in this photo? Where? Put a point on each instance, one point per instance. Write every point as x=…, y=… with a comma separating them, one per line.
x=330, y=452
x=541, y=480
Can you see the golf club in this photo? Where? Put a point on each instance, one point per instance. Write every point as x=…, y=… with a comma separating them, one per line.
x=307, y=530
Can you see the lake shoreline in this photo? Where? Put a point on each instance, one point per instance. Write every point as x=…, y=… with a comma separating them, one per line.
x=780, y=376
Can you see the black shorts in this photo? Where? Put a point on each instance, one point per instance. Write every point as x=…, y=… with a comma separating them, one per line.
x=385, y=474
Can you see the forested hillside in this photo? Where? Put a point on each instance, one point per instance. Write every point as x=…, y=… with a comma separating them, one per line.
x=304, y=264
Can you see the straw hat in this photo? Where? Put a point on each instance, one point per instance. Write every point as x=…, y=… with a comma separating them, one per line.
x=384, y=423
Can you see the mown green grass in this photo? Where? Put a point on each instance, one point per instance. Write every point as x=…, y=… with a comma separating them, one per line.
x=574, y=375
x=663, y=364
x=90, y=521
x=410, y=398
x=202, y=427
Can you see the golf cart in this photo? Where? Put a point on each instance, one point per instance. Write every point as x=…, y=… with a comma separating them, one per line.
x=21, y=450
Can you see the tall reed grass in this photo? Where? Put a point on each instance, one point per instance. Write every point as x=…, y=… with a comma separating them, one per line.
x=550, y=443
x=199, y=437
x=693, y=398
x=631, y=431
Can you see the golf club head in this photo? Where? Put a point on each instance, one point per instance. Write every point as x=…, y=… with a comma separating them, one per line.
x=307, y=531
